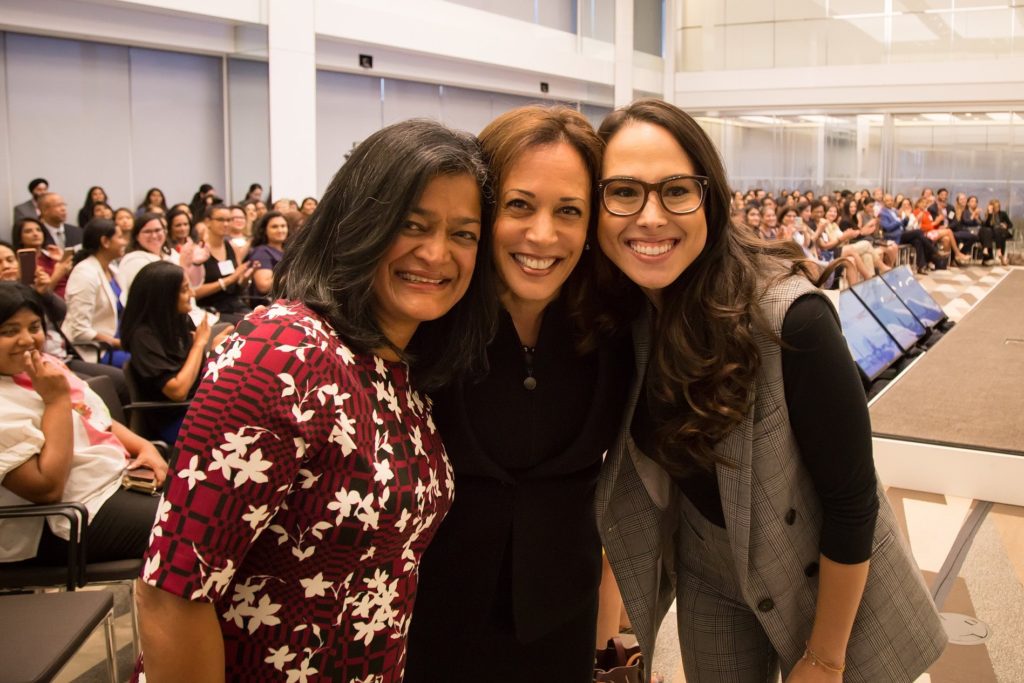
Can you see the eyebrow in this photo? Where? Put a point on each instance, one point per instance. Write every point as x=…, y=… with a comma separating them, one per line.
x=430, y=215
x=532, y=195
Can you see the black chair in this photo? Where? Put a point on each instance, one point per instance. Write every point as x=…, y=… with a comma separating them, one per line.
x=138, y=409
x=40, y=633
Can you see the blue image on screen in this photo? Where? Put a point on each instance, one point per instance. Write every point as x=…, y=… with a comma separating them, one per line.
x=890, y=311
x=911, y=293
x=872, y=348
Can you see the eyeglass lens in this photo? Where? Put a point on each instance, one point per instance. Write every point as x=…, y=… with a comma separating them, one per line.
x=678, y=195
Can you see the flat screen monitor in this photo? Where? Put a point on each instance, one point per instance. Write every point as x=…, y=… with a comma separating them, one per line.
x=872, y=347
x=911, y=293
x=890, y=311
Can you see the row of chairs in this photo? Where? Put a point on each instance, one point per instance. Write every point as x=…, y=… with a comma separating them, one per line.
x=40, y=631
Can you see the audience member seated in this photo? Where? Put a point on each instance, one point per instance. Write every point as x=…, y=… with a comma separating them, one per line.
x=308, y=206
x=999, y=223
x=28, y=234
x=895, y=229
x=768, y=229
x=840, y=243
x=124, y=219
x=93, y=294
x=752, y=218
x=147, y=244
x=970, y=220
x=58, y=443
x=54, y=310
x=943, y=237
x=239, y=231
x=155, y=202
x=95, y=195
x=268, y=240
x=53, y=214
x=221, y=278
x=37, y=187
x=168, y=351
x=180, y=230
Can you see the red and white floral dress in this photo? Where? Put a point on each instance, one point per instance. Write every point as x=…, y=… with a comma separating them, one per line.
x=309, y=481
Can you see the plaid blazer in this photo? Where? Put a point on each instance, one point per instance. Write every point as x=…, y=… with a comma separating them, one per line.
x=773, y=519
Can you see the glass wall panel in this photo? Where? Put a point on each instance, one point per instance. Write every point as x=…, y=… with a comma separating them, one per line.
x=842, y=8
x=786, y=10
x=747, y=11
x=983, y=34
x=749, y=46
x=800, y=43
x=597, y=19
x=647, y=22
x=858, y=40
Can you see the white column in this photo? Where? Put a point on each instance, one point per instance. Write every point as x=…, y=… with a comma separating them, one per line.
x=291, y=45
x=671, y=20
x=623, y=93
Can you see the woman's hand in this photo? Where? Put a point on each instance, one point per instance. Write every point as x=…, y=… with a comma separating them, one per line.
x=47, y=379
x=221, y=336
x=202, y=334
x=42, y=282
x=149, y=456
x=804, y=672
x=243, y=273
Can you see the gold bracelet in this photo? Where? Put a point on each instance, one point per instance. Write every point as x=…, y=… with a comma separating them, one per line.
x=815, y=660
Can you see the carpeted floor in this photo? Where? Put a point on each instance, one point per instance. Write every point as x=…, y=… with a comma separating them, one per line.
x=964, y=390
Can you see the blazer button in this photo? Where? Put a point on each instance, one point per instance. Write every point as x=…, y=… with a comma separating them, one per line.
x=811, y=569
x=766, y=605
x=791, y=517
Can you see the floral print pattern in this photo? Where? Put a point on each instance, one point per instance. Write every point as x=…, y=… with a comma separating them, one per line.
x=308, y=483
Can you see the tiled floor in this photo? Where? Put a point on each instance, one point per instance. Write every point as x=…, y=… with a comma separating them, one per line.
x=986, y=588
x=984, y=598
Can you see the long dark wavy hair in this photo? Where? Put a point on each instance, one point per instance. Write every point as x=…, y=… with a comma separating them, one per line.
x=704, y=354
x=505, y=140
x=154, y=303
x=330, y=264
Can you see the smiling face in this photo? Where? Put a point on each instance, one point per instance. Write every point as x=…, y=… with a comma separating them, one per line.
x=113, y=247
x=9, y=270
x=277, y=231
x=180, y=228
x=753, y=217
x=540, y=226
x=152, y=236
x=31, y=235
x=653, y=247
x=429, y=265
x=22, y=332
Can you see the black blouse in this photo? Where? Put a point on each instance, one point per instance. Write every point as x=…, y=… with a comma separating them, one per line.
x=829, y=418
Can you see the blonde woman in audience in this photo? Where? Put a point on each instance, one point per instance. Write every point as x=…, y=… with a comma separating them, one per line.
x=147, y=244
x=59, y=443
x=93, y=294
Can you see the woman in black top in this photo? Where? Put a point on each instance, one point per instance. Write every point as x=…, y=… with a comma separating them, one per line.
x=222, y=279
x=508, y=588
x=167, y=349
x=1000, y=227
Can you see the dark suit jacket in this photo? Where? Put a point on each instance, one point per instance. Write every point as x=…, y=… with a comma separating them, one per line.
x=25, y=210
x=72, y=235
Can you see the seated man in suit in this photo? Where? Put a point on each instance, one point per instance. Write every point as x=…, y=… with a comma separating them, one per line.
x=53, y=211
x=30, y=209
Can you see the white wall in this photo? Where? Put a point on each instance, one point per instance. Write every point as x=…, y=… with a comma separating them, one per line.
x=249, y=125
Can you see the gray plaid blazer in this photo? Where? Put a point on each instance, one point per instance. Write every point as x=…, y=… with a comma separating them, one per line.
x=773, y=518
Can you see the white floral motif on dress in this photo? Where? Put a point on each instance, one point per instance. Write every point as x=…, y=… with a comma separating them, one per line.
x=226, y=358
x=233, y=458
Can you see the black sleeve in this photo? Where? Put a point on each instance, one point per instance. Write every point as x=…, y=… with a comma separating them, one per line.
x=151, y=363
x=829, y=416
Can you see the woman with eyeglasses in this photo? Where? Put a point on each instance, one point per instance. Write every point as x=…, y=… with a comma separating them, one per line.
x=216, y=273
x=733, y=489
x=147, y=244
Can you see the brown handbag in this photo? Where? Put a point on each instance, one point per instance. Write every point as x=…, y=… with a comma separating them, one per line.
x=617, y=663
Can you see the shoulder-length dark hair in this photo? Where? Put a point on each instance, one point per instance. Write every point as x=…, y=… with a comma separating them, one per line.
x=704, y=354
x=191, y=224
x=153, y=303
x=145, y=200
x=330, y=264
x=140, y=222
x=259, y=228
x=19, y=226
x=15, y=296
x=515, y=132
x=94, y=231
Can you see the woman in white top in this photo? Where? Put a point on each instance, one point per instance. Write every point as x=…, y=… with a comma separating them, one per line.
x=58, y=443
x=838, y=241
x=148, y=244
x=93, y=292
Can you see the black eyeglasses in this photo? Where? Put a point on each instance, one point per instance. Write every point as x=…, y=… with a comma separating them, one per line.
x=679, y=194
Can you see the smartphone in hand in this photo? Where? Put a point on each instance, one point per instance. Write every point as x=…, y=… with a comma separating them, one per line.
x=27, y=263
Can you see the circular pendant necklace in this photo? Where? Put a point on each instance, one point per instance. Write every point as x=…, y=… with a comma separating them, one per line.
x=530, y=382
